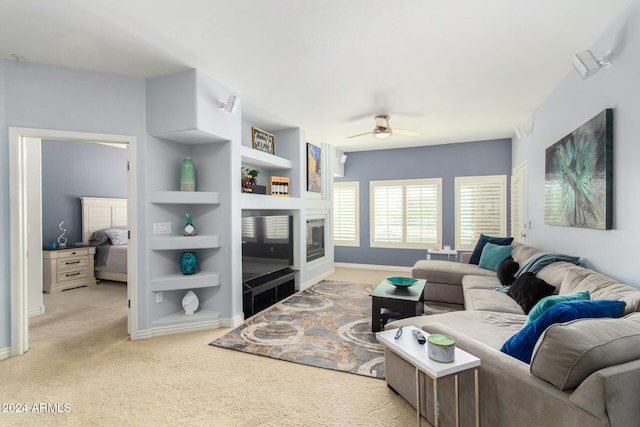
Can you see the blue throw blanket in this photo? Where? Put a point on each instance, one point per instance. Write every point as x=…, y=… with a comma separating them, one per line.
x=540, y=261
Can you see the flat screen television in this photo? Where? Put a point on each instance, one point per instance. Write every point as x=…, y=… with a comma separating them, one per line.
x=267, y=244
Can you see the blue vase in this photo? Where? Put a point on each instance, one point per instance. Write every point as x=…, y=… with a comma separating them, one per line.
x=188, y=262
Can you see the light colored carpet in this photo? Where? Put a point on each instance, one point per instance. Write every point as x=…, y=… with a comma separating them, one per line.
x=83, y=357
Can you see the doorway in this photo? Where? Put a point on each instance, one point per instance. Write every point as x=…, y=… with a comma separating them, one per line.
x=25, y=217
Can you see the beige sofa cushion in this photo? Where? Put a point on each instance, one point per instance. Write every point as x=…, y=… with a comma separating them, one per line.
x=600, y=287
x=446, y=271
x=567, y=353
x=490, y=300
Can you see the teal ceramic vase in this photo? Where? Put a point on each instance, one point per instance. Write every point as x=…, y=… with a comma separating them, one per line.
x=188, y=263
x=187, y=175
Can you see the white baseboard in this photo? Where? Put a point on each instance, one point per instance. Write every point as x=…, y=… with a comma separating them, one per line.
x=160, y=331
x=36, y=311
x=372, y=266
x=5, y=353
x=316, y=279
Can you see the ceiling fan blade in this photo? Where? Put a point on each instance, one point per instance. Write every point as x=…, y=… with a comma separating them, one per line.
x=405, y=132
x=360, y=134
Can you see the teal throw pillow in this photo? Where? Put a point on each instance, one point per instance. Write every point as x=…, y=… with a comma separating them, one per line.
x=547, y=302
x=493, y=255
x=483, y=240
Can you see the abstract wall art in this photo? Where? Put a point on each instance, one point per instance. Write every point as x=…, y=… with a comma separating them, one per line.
x=579, y=176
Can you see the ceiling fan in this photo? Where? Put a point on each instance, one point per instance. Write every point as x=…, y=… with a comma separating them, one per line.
x=383, y=129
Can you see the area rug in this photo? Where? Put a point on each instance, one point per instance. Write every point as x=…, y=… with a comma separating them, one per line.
x=327, y=325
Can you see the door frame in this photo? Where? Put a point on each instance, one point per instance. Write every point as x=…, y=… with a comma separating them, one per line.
x=19, y=247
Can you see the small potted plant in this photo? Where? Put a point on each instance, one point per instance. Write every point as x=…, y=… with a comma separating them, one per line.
x=253, y=173
x=249, y=177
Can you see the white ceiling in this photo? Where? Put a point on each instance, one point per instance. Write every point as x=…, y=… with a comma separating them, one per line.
x=454, y=70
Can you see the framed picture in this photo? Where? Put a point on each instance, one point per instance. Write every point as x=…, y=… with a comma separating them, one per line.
x=263, y=141
x=314, y=169
x=579, y=176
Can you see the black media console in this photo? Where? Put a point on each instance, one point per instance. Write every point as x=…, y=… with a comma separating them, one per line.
x=264, y=291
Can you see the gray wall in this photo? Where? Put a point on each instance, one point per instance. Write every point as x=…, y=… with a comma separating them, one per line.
x=71, y=170
x=445, y=161
x=45, y=97
x=572, y=103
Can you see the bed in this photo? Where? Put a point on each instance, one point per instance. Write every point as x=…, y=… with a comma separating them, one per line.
x=104, y=225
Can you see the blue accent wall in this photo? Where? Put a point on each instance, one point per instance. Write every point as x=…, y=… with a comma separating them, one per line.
x=448, y=161
x=71, y=170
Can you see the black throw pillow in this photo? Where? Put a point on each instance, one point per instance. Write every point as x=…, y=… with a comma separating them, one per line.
x=527, y=290
x=506, y=271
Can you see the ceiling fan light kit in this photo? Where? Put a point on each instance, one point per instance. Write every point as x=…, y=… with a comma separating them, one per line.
x=382, y=133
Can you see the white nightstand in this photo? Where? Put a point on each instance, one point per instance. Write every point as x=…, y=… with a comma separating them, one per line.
x=67, y=268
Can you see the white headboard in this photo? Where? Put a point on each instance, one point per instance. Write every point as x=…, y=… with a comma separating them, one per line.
x=102, y=212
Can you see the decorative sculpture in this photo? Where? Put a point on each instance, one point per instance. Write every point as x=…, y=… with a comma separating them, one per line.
x=189, y=229
x=190, y=303
x=62, y=241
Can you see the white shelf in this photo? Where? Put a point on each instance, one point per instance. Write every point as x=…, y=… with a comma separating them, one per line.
x=185, y=197
x=191, y=136
x=184, y=242
x=259, y=159
x=179, y=281
x=180, y=318
x=267, y=202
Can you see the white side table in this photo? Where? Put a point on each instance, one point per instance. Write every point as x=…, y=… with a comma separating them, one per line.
x=408, y=348
x=447, y=252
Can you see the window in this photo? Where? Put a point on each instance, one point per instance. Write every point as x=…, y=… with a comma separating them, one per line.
x=346, y=211
x=406, y=214
x=481, y=207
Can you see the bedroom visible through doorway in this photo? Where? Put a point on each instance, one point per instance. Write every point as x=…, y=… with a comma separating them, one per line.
x=25, y=213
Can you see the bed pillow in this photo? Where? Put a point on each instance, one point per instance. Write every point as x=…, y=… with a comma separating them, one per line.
x=521, y=344
x=99, y=237
x=493, y=255
x=117, y=236
x=527, y=290
x=547, y=302
x=566, y=354
x=506, y=271
x=483, y=240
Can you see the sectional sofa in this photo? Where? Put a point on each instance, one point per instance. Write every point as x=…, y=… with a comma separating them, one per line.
x=582, y=373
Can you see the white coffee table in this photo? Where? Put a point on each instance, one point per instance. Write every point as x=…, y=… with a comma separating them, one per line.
x=408, y=348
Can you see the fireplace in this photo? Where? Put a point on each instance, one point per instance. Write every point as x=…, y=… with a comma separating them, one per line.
x=315, y=239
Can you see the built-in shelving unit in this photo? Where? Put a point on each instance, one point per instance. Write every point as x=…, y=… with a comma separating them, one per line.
x=185, y=118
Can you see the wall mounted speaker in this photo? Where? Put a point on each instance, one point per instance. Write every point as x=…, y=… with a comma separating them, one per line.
x=343, y=159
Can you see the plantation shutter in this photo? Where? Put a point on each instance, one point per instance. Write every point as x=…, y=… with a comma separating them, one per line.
x=422, y=214
x=406, y=214
x=480, y=208
x=346, y=229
